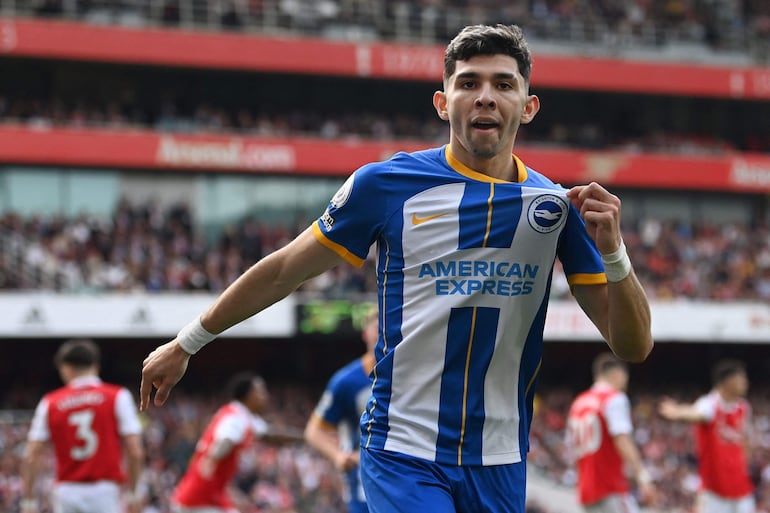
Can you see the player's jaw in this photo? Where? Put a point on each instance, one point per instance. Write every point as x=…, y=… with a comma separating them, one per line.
x=488, y=136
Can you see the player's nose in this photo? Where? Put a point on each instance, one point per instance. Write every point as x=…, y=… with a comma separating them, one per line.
x=485, y=97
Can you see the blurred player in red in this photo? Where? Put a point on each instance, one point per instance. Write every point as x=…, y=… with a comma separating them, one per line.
x=722, y=422
x=92, y=426
x=600, y=438
x=205, y=486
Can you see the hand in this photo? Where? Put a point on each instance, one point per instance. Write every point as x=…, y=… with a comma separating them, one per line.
x=601, y=212
x=162, y=369
x=648, y=495
x=346, y=461
x=133, y=503
x=668, y=408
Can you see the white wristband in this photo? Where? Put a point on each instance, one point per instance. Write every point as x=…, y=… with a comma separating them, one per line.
x=194, y=336
x=617, y=265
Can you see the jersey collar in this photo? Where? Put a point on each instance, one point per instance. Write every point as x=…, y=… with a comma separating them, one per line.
x=521, y=169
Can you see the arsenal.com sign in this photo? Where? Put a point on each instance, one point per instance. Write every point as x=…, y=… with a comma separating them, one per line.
x=229, y=153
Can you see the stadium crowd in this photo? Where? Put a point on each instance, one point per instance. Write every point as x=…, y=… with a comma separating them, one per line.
x=296, y=479
x=735, y=24
x=143, y=247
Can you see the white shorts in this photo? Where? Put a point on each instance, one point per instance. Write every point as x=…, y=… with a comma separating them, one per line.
x=614, y=503
x=96, y=497
x=709, y=502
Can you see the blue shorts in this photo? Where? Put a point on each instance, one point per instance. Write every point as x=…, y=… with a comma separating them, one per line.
x=355, y=506
x=397, y=483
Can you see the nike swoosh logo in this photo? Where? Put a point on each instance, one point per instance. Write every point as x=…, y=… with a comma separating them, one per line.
x=419, y=220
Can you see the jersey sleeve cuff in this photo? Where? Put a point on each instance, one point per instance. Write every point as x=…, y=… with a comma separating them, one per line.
x=587, y=279
x=341, y=250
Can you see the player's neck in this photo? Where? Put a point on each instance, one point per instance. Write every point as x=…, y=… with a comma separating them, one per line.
x=76, y=377
x=501, y=167
x=727, y=396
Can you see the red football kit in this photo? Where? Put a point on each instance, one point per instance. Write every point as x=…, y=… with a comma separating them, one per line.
x=595, y=416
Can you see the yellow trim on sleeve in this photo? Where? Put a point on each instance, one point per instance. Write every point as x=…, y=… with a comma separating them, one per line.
x=337, y=248
x=587, y=279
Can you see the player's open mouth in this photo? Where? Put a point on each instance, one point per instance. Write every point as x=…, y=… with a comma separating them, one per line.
x=485, y=125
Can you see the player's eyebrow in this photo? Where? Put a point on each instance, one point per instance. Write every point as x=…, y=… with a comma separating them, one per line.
x=498, y=76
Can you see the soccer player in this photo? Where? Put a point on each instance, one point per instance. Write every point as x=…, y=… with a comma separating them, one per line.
x=466, y=237
x=93, y=426
x=600, y=439
x=204, y=488
x=333, y=428
x=722, y=434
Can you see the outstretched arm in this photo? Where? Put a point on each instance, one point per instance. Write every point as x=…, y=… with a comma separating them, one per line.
x=619, y=309
x=282, y=435
x=672, y=410
x=266, y=282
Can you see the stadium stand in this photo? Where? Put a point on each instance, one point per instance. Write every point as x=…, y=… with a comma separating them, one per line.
x=713, y=26
x=696, y=208
x=142, y=248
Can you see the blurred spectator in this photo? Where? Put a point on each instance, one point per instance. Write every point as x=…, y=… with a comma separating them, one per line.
x=144, y=248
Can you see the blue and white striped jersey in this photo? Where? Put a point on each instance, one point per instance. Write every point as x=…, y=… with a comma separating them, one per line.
x=464, y=265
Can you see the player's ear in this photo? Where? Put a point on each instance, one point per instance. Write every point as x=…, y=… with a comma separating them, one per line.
x=531, y=108
x=439, y=102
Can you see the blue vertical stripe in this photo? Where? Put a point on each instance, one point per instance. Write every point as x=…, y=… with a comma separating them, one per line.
x=506, y=211
x=473, y=217
x=471, y=342
x=495, y=225
x=529, y=373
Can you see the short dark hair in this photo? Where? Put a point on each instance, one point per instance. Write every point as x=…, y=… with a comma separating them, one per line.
x=241, y=384
x=497, y=39
x=605, y=362
x=725, y=369
x=80, y=353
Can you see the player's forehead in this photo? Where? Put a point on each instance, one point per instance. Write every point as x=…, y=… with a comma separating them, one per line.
x=487, y=65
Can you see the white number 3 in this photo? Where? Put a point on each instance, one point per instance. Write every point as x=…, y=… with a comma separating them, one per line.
x=83, y=420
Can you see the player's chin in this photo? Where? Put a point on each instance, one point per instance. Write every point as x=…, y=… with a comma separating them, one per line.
x=483, y=150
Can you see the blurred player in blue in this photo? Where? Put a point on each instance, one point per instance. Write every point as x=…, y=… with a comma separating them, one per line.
x=465, y=238
x=333, y=428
